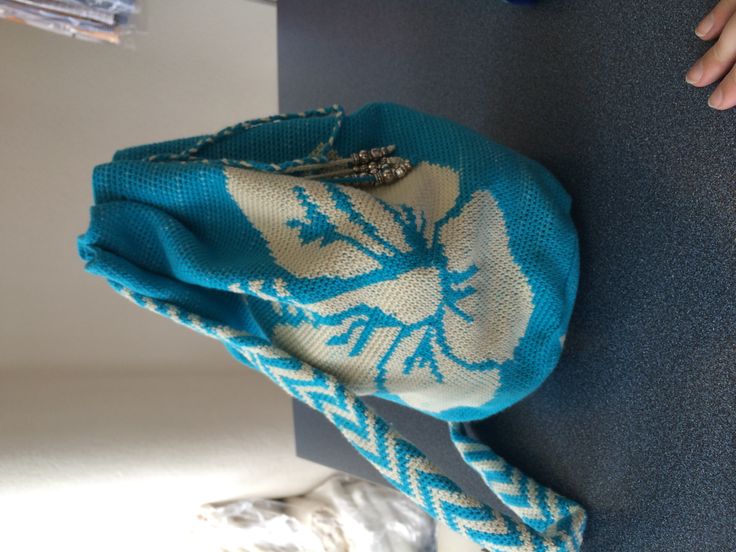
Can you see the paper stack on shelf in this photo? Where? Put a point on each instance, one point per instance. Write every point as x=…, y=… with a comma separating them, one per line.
x=93, y=20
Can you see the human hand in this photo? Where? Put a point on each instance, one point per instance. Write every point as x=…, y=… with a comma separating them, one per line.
x=718, y=62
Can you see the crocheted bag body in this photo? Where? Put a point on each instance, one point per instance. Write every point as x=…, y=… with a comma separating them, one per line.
x=447, y=289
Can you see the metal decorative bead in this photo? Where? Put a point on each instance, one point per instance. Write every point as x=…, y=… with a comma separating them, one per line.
x=376, y=164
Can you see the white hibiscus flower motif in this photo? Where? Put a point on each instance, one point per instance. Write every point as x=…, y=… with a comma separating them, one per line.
x=428, y=298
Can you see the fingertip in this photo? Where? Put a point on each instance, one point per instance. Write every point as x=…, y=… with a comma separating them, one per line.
x=724, y=96
x=695, y=73
x=705, y=27
x=716, y=99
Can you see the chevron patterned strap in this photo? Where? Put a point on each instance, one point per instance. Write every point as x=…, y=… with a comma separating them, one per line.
x=547, y=522
x=539, y=507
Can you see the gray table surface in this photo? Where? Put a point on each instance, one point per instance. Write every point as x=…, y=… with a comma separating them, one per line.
x=638, y=420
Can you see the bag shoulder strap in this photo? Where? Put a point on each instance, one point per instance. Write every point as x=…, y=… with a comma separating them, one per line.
x=538, y=507
x=546, y=521
x=192, y=153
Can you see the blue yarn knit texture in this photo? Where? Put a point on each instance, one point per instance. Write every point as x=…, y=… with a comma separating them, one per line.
x=448, y=291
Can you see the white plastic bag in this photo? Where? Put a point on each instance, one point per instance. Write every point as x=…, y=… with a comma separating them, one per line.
x=341, y=515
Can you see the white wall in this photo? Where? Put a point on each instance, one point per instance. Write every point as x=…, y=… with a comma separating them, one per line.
x=116, y=424
x=120, y=462
x=67, y=105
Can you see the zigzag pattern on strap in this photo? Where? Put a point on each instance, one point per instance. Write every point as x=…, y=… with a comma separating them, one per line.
x=537, y=506
x=400, y=462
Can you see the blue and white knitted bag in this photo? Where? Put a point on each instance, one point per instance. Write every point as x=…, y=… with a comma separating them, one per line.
x=447, y=289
